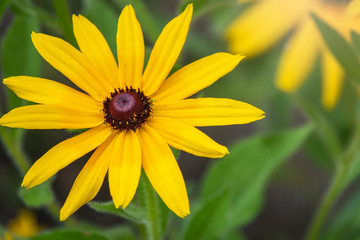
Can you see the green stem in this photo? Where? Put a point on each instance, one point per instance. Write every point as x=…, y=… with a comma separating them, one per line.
x=339, y=182
x=325, y=130
x=326, y=204
x=149, y=202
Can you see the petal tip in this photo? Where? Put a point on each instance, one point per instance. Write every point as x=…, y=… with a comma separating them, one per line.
x=63, y=214
x=240, y=56
x=189, y=9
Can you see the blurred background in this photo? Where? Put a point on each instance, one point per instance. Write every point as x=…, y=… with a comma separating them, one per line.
x=294, y=186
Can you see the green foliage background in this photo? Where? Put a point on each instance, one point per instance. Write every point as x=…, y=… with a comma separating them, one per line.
x=267, y=188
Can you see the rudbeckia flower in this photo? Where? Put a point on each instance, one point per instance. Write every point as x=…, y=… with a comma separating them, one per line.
x=132, y=116
x=267, y=21
x=25, y=224
x=353, y=8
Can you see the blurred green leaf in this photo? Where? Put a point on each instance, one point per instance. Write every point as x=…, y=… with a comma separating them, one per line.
x=131, y=212
x=68, y=235
x=38, y=196
x=118, y=233
x=18, y=55
x=210, y=220
x=64, y=20
x=105, y=18
x=355, y=38
x=202, y=7
x=346, y=224
x=342, y=50
x=23, y=8
x=3, y=5
x=244, y=174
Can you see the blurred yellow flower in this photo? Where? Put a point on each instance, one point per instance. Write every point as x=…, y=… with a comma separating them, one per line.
x=267, y=21
x=353, y=8
x=133, y=115
x=24, y=225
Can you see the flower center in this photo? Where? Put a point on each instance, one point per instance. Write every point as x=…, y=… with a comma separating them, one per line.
x=126, y=109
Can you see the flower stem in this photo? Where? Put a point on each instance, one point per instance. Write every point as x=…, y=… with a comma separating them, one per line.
x=327, y=202
x=341, y=178
x=325, y=130
x=149, y=201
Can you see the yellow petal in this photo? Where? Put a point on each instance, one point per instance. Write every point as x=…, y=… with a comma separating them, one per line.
x=209, y=111
x=46, y=91
x=73, y=64
x=196, y=76
x=163, y=171
x=94, y=46
x=63, y=154
x=51, y=117
x=89, y=180
x=166, y=51
x=187, y=138
x=263, y=24
x=125, y=168
x=353, y=9
x=333, y=77
x=298, y=57
x=130, y=48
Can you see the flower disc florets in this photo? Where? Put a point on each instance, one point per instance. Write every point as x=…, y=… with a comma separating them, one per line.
x=127, y=109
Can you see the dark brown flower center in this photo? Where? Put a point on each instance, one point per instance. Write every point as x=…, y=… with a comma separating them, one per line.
x=126, y=109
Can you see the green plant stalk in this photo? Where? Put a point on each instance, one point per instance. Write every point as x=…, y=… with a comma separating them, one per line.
x=149, y=202
x=325, y=130
x=326, y=204
x=338, y=184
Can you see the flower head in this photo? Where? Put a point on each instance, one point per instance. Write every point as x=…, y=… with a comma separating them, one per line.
x=25, y=224
x=132, y=116
x=267, y=21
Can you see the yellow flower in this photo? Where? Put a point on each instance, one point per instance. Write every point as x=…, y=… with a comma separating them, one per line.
x=25, y=224
x=133, y=115
x=267, y=21
x=353, y=8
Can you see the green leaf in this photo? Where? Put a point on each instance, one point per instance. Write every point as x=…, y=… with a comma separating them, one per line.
x=118, y=233
x=3, y=5
x=68, y=235
x=131, y=212
x=346, y=224
x=244, y=174
x=210, y=220
x=355, y=38
x=38, y=196
x=202, y=7
x=18, y=55
x=342, y=50
x=23, y=8
x=64, y=20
